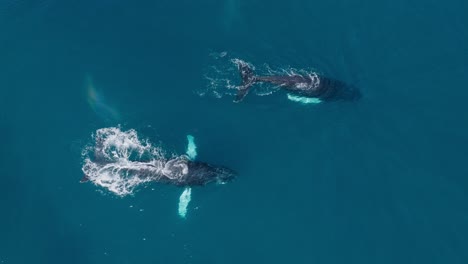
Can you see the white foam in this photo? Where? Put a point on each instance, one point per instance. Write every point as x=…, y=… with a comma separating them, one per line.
x=304, y=100
x=240, y=62
x=117, y=159
x=118, y=177
x=184, y=201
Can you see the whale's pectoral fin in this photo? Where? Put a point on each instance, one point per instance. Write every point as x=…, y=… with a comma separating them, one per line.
x=191, y=147
x=184, y=201
x=304, y=100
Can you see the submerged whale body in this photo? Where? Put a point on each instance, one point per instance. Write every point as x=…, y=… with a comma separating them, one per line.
x=310, y=85
x=200, y=173
x=119, y=161
x=179, y=171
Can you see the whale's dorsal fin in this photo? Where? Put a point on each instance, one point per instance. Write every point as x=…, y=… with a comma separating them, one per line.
x=191, y=147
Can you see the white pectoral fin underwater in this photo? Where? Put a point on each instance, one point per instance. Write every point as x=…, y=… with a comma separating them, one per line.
x=303, y=100
x=184, y=201
x=191, y=147
x=186, y=195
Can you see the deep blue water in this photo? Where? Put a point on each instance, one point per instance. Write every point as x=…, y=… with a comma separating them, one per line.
x=381, y=180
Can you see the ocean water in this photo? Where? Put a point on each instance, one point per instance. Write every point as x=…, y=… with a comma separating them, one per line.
x=379, y=180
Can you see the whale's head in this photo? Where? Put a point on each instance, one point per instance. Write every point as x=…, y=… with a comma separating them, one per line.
x=200, y=173
x=353, y=93
x=224, y=175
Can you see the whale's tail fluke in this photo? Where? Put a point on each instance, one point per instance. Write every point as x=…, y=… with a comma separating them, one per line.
x=242, y=93
x=248, y=79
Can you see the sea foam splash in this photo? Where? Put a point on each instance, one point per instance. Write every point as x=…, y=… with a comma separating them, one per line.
x=114, y=157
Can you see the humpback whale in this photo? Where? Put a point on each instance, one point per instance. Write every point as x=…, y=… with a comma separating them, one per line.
x=182, y=170
x=303, y=88
x=119, y=162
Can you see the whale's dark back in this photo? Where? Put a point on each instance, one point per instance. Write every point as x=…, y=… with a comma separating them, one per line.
x=328, y=89
x=201, y=173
